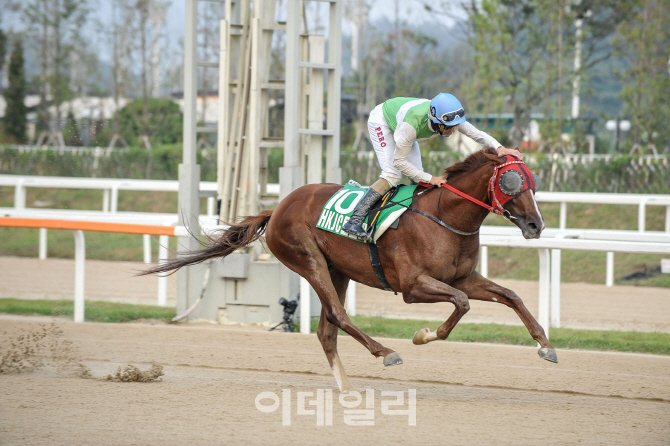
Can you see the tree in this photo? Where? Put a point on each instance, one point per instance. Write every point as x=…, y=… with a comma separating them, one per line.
x=164, y=118
x=121, y=50
x=645, y=41
x=520, y=56
x=16, y=120
x=55, y=24
x=71, y=131
x=511, y=51
x=3, y=53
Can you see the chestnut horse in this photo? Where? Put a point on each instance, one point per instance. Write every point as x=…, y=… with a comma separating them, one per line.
x=423, y=261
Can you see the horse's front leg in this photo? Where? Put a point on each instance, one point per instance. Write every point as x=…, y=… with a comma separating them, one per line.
x=478, y=287
x=426, y=289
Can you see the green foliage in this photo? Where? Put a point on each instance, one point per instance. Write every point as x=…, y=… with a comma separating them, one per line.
x=646, y=46
x=3, y=49
x=165, y=121
x=16, y=120
x=513, y=53
x=94, y=311
x=161, y=163
x=71, y=131
x=619, y=174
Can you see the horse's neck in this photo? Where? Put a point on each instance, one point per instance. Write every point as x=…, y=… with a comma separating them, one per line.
x=462, y=211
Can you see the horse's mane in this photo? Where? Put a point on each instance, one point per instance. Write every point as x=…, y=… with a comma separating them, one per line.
x=470, y=163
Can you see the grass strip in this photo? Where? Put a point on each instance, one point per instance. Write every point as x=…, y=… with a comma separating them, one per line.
x=562, y=338
x=94, y=311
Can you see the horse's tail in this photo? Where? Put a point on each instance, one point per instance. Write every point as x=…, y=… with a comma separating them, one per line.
x=236, y=236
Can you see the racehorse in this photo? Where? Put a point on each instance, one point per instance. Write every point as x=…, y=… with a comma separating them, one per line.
x=423, y=261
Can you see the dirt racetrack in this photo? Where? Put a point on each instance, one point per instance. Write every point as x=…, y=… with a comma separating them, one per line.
x=465, y=393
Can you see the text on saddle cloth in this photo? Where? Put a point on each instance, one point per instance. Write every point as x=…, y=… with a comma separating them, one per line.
x=340, y=207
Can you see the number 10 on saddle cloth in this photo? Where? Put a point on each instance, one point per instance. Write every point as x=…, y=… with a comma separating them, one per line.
x=340, y=206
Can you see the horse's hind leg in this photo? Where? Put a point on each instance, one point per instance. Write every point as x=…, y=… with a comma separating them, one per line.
x=327, y=334
x=298, y=251
x=479, y=288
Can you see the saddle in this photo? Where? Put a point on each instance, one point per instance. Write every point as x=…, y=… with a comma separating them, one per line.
x=385, y=213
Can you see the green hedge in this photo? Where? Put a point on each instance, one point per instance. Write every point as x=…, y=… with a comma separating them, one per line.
x=621, y=174
x=159, y=163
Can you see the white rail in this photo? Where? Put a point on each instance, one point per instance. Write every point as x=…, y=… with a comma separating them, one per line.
x=549, y=275
x=640, y=200
x=110, y=198
x=111, y=187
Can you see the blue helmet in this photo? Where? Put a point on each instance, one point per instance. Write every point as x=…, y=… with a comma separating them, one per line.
x=446, y=110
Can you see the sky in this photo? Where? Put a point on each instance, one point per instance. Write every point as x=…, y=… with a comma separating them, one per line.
x=411, y=11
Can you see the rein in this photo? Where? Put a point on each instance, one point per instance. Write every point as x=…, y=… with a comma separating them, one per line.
x=436, y=220
x=498, y=209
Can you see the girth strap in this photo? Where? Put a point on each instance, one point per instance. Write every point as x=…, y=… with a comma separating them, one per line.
x=377, y=266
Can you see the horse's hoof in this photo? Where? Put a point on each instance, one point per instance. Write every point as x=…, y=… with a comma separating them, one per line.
x=422, y=337
x=392, y=359
x=549, y=354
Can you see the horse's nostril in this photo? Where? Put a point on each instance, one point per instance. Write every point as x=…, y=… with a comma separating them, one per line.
x=532, y=226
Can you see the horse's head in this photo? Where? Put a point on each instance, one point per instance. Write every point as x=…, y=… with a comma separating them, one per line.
x=506, y=182
x=512, y=193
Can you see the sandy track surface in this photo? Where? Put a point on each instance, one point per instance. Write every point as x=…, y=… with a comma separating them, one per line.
x=582, y=305
x=465, y=393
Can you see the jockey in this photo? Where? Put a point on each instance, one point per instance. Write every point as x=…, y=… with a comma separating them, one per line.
x=396, y=127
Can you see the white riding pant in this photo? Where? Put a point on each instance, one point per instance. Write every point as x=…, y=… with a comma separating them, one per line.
x=384, y=145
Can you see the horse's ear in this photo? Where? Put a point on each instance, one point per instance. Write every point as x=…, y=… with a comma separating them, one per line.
x=493, y=157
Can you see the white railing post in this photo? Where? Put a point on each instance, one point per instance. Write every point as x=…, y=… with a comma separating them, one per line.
x=79, y=274
x=609, y=273
x=114, y=205
x=163, y=241
x=555, y=297
x=563, y=215
x=544, y=282
x=146, y=238
x=351, y=298
x=43, y=243
x=484, y=261
x=641, y=215
x=305, y=297
x=667, y=219
x=555, y=288
x=105, y=200
x=20, y=195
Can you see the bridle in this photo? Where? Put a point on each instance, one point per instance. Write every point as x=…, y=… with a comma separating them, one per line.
x=497, y=189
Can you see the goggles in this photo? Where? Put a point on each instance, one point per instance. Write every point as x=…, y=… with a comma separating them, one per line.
x=447, y=117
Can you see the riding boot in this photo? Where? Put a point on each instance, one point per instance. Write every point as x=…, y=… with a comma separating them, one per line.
x=354, y=225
